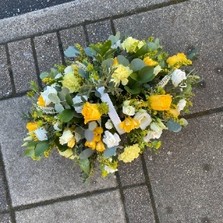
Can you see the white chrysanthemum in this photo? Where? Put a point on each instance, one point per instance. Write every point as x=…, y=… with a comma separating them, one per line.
x=110, y=139
x=177, y=77
x=144, y=118
x=66, y=137
x=108, y=124
x=181, y=105
x=46, y=92
x=41, y=134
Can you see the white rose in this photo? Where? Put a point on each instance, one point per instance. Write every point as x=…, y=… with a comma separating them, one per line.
x=144, y=118
x=41, y=134
x=108, y=124
x=66, y=137
x=177, y=77
x=46, y=92
x=110, y=139
x=128, y=110
x=181, y=105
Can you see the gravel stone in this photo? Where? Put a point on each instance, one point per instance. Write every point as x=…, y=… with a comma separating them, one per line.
x=5, y=218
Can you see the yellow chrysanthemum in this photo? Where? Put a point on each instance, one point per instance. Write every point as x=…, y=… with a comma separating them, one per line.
x=129, y=124
x=150, y=62
x=121, y=74
x=176, y=61
x=72, y=81
x=31, y=126
x=130, y=153
x=41, y=101
x=131, y=45
x=160, y=102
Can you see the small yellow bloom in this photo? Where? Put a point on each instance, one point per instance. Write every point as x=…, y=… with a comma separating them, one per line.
x=90, y=144
x=121, y=74
x=41, y=101
x=129, y=124
x=130, y=153
x=115, y=62
x=71, y=143
x=90, y=112
x=31, y=126
x=174, y=112
x=131, y=45
x=100, y=147
x=176, y=61
x=160, y=102
x=150, y=62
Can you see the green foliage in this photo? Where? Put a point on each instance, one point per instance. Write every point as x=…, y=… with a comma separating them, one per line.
x=66, y=115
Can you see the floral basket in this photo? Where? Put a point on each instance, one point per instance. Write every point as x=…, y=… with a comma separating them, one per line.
x=120, y=88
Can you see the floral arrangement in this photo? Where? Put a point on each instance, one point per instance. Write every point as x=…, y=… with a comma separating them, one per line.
x=110, y=103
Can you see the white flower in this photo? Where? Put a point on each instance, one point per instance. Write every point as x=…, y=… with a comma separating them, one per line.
x=128, y=110
x=110, y=139
x=109, y=169
x=66, y=137
x=41, y=134
x=77, y=100
x=144, y=118
x=152, y=135
x=181, y=105
x=59, y=75
x=46, y=92
x=157, y=69
x=156, y=127
x=177, y=77
x=108, y=124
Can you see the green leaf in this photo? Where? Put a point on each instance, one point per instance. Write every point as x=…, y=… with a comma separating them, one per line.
x=41, y=147
x=122, y=60
x=71, y=51
x=85, y=165
x=110, y=152
x=69, y=99
x=85, y=154
x=105, y=47
x=66, y=115
x=89, y=52
x=43, y=75
x=142, y=51
x=107, y=63
x=173, y=126
x=83, y=73
x=146, y=74
x=135, y=90
x=137, y=64
x=30, y=152
x=59, y=108
x=192, y=54
x=54, y=98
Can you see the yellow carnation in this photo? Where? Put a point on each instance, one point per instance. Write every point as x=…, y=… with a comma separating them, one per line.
x=131, y=45
x=160, y=102
x=176, y=61
x=72, y=82
x=150, y=62
x=31, y=126
x=130, y=153
x=90, y=112
x=121, y=74
x=129, y=124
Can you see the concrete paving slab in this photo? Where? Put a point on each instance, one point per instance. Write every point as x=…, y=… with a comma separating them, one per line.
x=196, y=24
x=138, y=205
x=131, y=173
x=66, y=15
x=22, y=63
x=5, y=83
x=5, y=218
x=101, y=208
x=47, y=50
x=73, y=35
x=3, y=201
x=187, y=175
x=99, y=31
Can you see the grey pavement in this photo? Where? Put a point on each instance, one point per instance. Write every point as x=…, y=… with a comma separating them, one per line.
x=180, y=184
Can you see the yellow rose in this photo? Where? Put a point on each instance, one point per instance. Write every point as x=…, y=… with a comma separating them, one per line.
x=31, y=126
x=131, y=45
x=129, y=124
x=176, y=61
x=160, y=102
x=41, y=101
x=90, y=112
x=130, y=153
x=150, y=62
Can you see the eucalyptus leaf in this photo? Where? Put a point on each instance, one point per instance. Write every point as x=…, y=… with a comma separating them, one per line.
x=107, y=63
x=83, y=73
x=89, y=135
x=69, y=100
x=66, y=115
x=122, y=60
x=173, y=126
x=41, y=147
x=146, y=74
x=89, y=52
x=58, y=108
x=86, y=153
x=142, y=51
x=44, y=75
x=85, y=165
x=71, y=52
x=137, y=64
x=135, y=90
x=110, y=152
x=54, y=98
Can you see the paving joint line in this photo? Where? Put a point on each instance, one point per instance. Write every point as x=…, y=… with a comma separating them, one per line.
x=60, y=45
x=86, y=33
x=6, y=185
x=112, y=17
x=149, y=188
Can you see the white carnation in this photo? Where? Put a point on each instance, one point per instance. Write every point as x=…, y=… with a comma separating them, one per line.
x=41, y=134
x=66, y=137
x=177, y=77
x=144, y=118
x=110, y=139
x=181, y=105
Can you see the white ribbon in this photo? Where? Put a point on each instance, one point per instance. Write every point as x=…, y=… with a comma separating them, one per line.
x=112, y=112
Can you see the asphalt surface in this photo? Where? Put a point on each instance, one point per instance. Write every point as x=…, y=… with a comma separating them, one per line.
x=9, y=8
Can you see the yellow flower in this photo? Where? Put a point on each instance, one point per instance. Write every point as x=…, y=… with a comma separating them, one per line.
x=131, y=45
x=129, y=124
x=68, y=153
x=150, y=62
x=115, y=62
x=121, y=74
x=31, y=126
x=160, y=102
x=100, y=147
x=71, y=142
x=72, y=81
x=130, y=153
x=174, y=112
x=176, y=61
x=90, y=144
x=41, y=101
x=90, y=112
